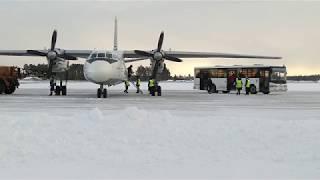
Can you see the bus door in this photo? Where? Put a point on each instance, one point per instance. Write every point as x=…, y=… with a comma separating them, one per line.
x=232, y=75
x=264, y=80
x=204, y=75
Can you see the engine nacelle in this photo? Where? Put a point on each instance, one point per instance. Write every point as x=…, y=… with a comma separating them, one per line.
x=59, y=65
x=160, y=68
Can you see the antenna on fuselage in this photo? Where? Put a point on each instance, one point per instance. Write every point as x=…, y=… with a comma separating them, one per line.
x=115, y=41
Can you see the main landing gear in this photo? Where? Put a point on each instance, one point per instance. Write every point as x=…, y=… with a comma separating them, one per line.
x=102, y=92
x=61, y=90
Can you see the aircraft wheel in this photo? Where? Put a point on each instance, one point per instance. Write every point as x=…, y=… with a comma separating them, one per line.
x=105, y=95
x=58, y=90
x=64, y=90
x=99, y=93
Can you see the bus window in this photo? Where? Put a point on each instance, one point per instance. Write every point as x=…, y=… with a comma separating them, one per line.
x=252, y=73
x=222, y=73
x=264, y=73
x=197, y=73
x=279, y=75
x=243, y=73
x=213, y=73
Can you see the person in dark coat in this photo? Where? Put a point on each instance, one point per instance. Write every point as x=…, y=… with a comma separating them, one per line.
x=210, y=86
x=52, y=86
x=130, y=71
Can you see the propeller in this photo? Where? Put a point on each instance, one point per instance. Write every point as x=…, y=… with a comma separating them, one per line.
x=157, y=55
x=52, y=54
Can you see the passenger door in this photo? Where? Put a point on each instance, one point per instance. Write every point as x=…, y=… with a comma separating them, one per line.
x=264, y=80
x=204, y=75
x=232, y=75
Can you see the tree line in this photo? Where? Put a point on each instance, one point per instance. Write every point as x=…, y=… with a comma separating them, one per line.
x=75, y=72
x=304, y=78
x=144, y=72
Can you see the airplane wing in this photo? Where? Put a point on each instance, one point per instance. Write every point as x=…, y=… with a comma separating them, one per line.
x=75, y=53
x=18, y=52
x=187, y=54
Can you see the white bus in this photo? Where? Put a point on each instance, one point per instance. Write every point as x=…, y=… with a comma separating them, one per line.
x=263, y=78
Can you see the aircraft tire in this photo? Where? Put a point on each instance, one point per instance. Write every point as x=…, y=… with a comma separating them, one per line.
x=64, y=90
x=105, y=93
x=58, y=90
x=99, y=93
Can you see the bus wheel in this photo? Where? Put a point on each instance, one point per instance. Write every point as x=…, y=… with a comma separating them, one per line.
x=266, y=92
x=212, y=89
x=253, y=89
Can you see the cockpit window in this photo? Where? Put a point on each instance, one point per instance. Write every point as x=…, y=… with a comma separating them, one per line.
x=101, y=55
x=93, y=55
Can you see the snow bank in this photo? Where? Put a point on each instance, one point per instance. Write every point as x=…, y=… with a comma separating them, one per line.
x=184, y=134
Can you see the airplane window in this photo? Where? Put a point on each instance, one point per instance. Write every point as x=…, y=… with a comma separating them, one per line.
x=93, y=55
x=101, y=55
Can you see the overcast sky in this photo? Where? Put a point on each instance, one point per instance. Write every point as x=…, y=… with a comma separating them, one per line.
x=287, y=29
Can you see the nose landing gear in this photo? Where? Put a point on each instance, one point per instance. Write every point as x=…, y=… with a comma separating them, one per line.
x=102, y=92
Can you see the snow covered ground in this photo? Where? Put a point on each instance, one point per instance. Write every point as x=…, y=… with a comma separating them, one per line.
x=185, y=133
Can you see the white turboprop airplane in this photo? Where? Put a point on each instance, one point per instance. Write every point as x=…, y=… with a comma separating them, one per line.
x=107, y=67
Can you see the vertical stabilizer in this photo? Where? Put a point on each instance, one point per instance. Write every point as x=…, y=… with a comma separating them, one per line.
x=115, y=41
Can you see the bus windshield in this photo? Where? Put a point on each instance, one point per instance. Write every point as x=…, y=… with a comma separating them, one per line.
x=279, y=75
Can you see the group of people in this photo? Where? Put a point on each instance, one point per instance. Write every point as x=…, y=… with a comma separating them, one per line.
x=239, y=85
x=152, y=83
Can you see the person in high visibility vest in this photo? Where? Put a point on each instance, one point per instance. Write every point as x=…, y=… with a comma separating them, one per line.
x=239, y=85
x=138, y=82
x=126, y=84
x=152, y=87
x=248, y=83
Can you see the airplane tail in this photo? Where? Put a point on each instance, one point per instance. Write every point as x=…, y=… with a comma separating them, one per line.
x=115, y=41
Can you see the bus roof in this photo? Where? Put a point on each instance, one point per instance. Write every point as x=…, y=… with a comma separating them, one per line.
x=239, y=66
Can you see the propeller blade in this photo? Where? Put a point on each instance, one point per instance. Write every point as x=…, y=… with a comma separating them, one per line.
x=143, y=53
x=38, y=53
x=53, y=40
x=68, y=57
x=50, y=69
x=171, y=58
x=160, y=41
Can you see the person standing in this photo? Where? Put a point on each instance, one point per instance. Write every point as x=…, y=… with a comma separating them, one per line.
x=126, y=84
x=210, y=86
x=151, y=86
x=239, y=85
x=138, y=82
x=130, y=72
x=52, y=85
x=247, y=86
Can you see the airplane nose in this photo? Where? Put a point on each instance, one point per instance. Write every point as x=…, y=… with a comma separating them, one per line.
x=98, y=71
